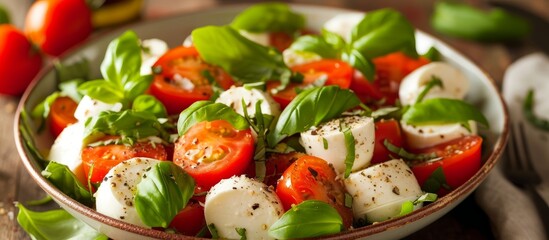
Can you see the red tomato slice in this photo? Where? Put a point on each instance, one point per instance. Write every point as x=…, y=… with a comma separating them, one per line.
x=337, y=72
x=211, y=151
x=275, y=165
x=390, y=70
x=311, y=178
x=61, y=114
x=390, y=130
x=100, y=159
x=280, y=40
x=190, y=220
x=57, y=25
x=461, y=159
x=183, y=64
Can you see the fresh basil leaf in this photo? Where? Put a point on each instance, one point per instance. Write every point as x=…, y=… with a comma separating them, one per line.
x=401, y=152
x=77, y=70
x=269, y=17
x=382, y=32
x=433, y=54
x=148, y=103
x=39, y=202
x=427, y=197
x=260, y=124
x=208, y=111
x=436, y=181
x=310, y=218
x=310, y=108
x=385, y=112
x=122, y=62
x=163, y=191
x=350, y=147
x=334, y=40
x=213, y=231
x=443, y=111
x=102, y=90
x=243, y=59
x=65, y=180
x=463, y=21
x=315, y=44
x=528, y=111
x=42, y=110
x=128, y=124
x=28, y=139
x=406, y=208
x=360, y=63
x=435, y=81
x=133, y=89
x=55, y=224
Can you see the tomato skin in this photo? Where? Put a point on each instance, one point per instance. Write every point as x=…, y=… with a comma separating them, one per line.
x=461, y=159
x=212, y=151
x=390, y=70
x=312, y=178
x=185, y=62
x=61, y=114
x=103, y=158
x=280, y=40
x=275, y=165
x=337, y=72
x=190, y=220
x=390, y=130
x=57, y=25
x=19, y=62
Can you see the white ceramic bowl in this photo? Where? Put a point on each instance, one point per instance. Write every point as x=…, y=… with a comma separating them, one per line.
x=483, y=94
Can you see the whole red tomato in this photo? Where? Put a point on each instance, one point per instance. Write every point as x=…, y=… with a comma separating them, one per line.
x=19, y=62
x=57, y=25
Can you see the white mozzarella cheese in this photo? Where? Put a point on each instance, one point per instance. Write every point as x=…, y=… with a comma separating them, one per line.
x=259, y=38
x=379, y=191
x=152, y=49
x=67, y=147
x=293, y=57
x=115, y=195
x=430, y=135
x=233, y=98
x=241, y=202
x=455, y=84
x=343, y=24
x=327, y=141
x=89, y=107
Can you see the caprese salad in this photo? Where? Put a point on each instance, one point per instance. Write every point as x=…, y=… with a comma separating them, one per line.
x=264, y=129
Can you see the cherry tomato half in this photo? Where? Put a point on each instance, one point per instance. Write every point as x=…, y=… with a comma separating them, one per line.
x=275, y=165
x=19, y=62
x=100, y=159
x=386, y=130
x=190, y=220
x=211, y=151
x=336, y=72
x=461, y=159
x=57, y=25
x=182, y=80
x=61, y=114
x=312, y=178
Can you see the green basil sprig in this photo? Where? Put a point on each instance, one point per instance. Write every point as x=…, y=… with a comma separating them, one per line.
x=311, y=218
x=463, y=21
x=208, y=111
x=120, y=69
x=128, y=124
x=310, y=108
x=269, y=17
x=55, y=224
x=243, y=59
x=443, y=111
x=163, y=191
x=148, y=103
x=436, y=181
x=528, y=110
x=408, y=206
x=65, y=180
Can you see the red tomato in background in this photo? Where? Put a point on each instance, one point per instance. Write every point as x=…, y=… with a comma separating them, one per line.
x=103, y=158
x=337, y=72
x=184, y=62
x=390, y=70
x=312, y=178
x=461, y=159
x=57, y=25
x=19, y=61
x=61, y=114
x=390, y=130
x=211, y=151
x=280, y=40
x=190, y=220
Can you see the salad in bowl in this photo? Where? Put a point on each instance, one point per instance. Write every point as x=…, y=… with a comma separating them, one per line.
x=267, y=127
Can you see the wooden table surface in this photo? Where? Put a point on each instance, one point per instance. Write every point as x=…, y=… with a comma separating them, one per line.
x=467, y=221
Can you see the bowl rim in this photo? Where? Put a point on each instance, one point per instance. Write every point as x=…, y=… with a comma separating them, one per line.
x=470, y=185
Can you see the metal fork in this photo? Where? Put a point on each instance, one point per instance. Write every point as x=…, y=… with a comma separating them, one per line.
x=520, y=170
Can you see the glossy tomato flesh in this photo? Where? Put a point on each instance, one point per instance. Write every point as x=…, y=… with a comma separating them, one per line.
x=275, y=165
x=312, y=178
x=190, y=220
x=386, y=130
x=180, y=79
x=61, y=114
x=211, y=151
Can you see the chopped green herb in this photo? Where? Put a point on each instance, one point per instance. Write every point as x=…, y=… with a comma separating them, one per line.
x=401, y=152
x=528, y=110
x=350, y=147
x=435, y=81
x=242, y=233
x=436, y=181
